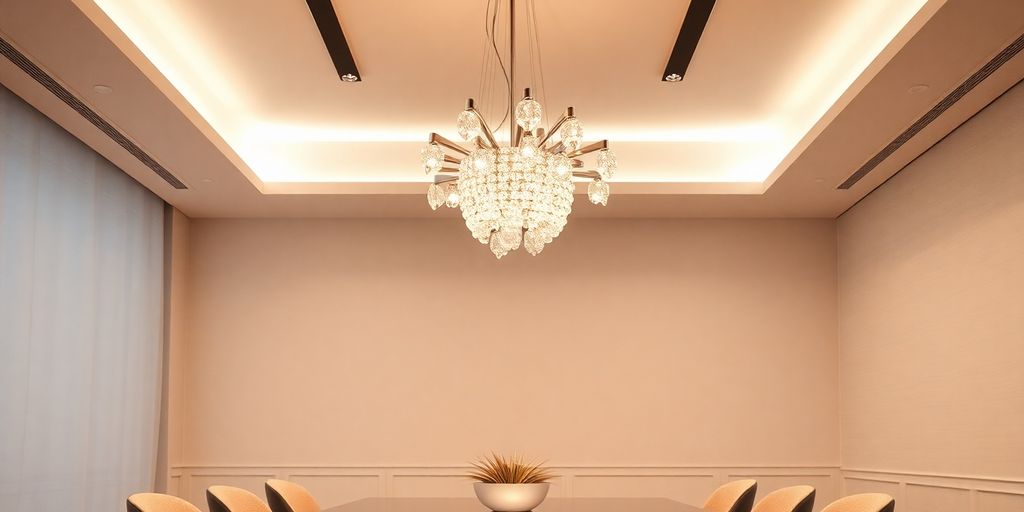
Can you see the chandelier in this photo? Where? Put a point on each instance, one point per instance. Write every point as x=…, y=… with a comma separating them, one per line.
x=518, y=194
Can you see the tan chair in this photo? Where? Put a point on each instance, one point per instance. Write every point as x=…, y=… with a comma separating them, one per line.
x=735, y=496
x=155, y=502
x=868, y=502
x=799, y=498
x=285, y=496
x=223, y=498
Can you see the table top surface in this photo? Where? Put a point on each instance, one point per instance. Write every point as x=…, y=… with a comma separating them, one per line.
x=549, y=505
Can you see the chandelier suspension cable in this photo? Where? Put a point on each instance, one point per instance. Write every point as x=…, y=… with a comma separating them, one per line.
x=511, y=68
x=485, y=63
x=529, y=44
x=518, y=194
x=487, y=73
x=531, y=7
x=497, y=53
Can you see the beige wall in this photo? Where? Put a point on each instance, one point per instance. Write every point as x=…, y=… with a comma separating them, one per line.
x=628, y=352
x=176, y=295
x=359, y=358
x=931, y=272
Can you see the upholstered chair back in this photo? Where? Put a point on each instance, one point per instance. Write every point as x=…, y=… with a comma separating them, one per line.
x=285, y=496
x=735, y=496
x=868, y=502
x=799, y=498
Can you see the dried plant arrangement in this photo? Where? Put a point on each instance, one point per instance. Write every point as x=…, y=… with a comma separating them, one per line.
x=497, y=469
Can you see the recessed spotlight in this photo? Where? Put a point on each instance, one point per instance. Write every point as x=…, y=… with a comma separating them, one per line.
x=819, y=180
x=349, y=77
x=914, y=89
x=207, y=180
x=674, y=77
x=103, y=89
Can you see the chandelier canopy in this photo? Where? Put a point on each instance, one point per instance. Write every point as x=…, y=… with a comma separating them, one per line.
x=519, y=194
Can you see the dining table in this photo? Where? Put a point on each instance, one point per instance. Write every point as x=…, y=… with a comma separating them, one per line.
x=549, y=505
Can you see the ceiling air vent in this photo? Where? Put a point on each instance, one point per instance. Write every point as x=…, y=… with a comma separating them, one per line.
x=19, y=59
x=990, y=67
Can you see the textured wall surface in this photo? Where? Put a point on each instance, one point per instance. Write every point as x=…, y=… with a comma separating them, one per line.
x=932, y=321
x=405, y=343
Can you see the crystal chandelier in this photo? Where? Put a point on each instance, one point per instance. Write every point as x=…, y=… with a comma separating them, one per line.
x=520, y=194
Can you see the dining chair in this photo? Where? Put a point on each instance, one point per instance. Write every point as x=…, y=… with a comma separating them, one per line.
x=285, y=496
x=224, y=498
x=736, y=496
x=156, y=502
x=867, y=502
x=798, y=498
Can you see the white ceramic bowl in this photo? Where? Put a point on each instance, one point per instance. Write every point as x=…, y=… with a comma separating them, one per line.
x=511, y=497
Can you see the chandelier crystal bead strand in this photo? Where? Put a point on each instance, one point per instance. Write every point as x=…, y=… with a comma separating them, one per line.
x=519, y=195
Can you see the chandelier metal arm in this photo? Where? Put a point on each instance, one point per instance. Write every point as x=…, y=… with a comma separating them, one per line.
x=484, y=128
x=452, y=160
x=440, y=178
x=442, y=141
x=593, y=175
x=589, y=148
x=569, y=112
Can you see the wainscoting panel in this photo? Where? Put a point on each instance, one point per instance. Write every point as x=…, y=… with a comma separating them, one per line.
x=934, y=498
x=923, y=492
x=995, y=501
x=333, y=489
x=334, y=486
x=686, y=488
x=174, y=483
x=429, y=485
x=858, y=485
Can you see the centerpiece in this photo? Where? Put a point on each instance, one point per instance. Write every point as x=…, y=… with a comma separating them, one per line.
x=510, y=484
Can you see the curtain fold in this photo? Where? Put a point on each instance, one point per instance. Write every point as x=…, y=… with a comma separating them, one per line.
x=81, y=308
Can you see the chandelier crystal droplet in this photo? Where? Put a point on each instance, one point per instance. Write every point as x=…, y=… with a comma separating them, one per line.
x=519, y=194
x=436, y=196
x=528, y=114
x=468, y=125
x=598, y=192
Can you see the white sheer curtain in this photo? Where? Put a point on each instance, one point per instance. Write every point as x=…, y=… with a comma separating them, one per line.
x=81, y=291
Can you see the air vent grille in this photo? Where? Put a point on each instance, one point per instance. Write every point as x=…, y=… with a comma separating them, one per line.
x=990, y=67
x=19, y=59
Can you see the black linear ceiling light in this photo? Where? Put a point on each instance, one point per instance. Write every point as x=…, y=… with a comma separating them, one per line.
x=697, y=15
x=334, y=39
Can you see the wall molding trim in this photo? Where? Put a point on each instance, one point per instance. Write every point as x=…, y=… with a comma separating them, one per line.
x=937, y=475
x=738, y=467
x=337, y=484
x=937, y=492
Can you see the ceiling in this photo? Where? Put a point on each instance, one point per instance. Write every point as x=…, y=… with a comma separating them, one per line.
x=781, y=103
